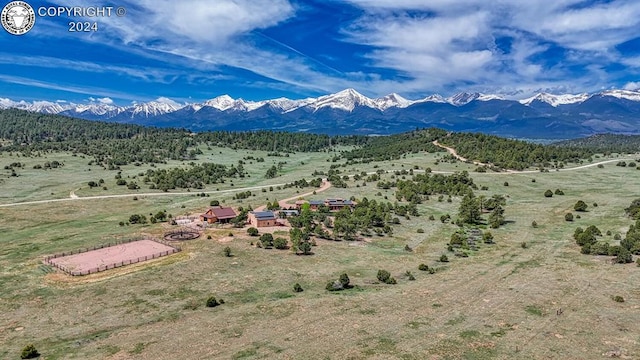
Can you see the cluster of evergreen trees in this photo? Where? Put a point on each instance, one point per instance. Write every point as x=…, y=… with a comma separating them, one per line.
x=393, y=147
x=277, y=141
x=511, y=154
x=422, y=185
x=114, y=144
x=111, y=144
x=588, y=241
x=196, y=176
x=605, y=143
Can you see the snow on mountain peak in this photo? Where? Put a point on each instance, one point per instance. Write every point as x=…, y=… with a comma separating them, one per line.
x=463, y=98
x=435, y=98
x=633, y=95
x=160, y=106
x=555, y=100
x=345, y=100
x=391, y=100
x=222, y=102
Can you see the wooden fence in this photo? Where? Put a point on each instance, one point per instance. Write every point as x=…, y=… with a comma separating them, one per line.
x=47, y=259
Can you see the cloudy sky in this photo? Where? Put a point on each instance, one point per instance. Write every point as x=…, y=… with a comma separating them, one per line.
x=256, y=49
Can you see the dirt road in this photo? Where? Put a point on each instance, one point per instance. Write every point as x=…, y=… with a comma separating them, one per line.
x=453, y=152
x=284, y=203
x=74, y=197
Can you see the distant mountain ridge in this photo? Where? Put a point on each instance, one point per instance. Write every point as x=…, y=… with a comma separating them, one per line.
x=349, y=112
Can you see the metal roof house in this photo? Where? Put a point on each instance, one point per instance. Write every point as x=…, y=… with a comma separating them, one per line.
x=263, y=218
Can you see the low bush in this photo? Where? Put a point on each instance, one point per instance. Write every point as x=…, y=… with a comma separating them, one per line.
x=385, y=277
x=213, y=302
x=409, y=276
x=29, y=352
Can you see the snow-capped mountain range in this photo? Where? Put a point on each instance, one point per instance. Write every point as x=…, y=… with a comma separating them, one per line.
x=348, y=111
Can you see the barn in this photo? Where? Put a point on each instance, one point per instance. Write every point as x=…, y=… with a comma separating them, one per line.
x=218, y=214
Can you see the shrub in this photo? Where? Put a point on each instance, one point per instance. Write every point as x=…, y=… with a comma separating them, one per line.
x=432, y=270
x=208, y=237
x=638, y=261
x=424, y=267
x=212, y=302
x=618, y=298
x=385, y=277
x=252, y=231
x=559, y=192
x=524, y=245
x=534, y=224
x=444, y=258
x=595, y=205
x=600, y=166
x=506, y=183
x=297, y=288
x=431, y=217
x=624, y=256
x=29, y=352
x=345, y=281
x=409, y=276
x=533, y=180
x=580, y=206
x=568, y=217
x=214, y=203
x=280, y=243
x=408, y=248
x=420, y=231
x=487, y=237
x=266, y=240
x=227, y=251
x=548, y=193
x=617, y=236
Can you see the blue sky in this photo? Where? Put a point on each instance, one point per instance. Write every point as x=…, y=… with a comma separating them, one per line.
x=258, y=49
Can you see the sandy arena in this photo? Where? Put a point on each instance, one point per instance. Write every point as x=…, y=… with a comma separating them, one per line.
x=111, y=257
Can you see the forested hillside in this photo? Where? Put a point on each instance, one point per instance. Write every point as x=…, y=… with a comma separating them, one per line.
x=605, y=143
x=511, y=154
x=118, y=144
x=278, y=141
x=391, y=147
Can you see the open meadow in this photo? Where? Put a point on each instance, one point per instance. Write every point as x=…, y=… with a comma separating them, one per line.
x=531, y=295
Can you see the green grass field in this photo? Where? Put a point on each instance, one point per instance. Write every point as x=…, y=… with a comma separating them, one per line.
x=499, y=303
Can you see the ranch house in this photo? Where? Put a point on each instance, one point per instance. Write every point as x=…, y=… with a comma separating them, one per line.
x=263, y=218
x=218, y=214
x=332, y=204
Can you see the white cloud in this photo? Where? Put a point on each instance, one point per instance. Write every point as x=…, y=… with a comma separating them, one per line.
x=633, y=85
x=165, y=100
x=435, y=45
x=105, y=101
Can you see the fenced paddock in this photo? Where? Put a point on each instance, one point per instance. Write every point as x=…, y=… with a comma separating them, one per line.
x=110, y=256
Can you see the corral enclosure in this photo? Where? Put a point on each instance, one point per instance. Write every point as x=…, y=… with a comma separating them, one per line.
x=101, y=258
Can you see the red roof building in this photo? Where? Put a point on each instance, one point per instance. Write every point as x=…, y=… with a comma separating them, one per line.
x=218, y=214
